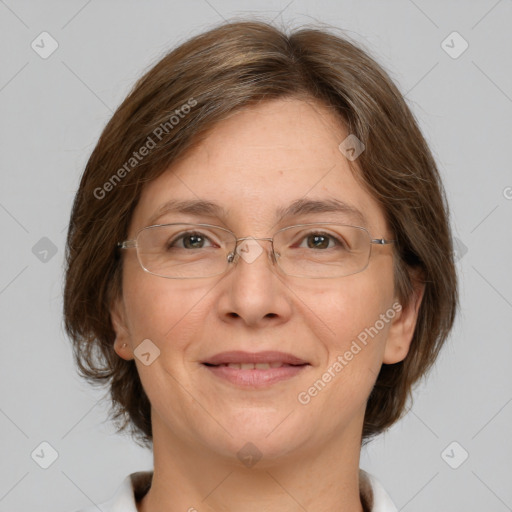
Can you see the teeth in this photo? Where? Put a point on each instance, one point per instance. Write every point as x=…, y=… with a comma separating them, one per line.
x=252, y=366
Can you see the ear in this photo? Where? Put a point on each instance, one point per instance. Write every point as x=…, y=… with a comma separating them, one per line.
x=122, y=343
x=402, y=327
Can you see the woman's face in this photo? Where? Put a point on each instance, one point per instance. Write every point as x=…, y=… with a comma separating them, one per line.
x=258, y=161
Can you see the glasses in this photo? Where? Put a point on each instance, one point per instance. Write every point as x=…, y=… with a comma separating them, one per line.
x=189, y=251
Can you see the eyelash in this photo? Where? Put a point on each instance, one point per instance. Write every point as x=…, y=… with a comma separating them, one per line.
x=337, y=241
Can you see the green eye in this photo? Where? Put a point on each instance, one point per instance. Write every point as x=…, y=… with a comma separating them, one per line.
x=189, y=241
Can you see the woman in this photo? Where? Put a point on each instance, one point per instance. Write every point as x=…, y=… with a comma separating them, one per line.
x=260, y=267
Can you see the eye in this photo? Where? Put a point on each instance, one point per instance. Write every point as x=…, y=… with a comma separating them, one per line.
x=323, y=240
x=189, y=240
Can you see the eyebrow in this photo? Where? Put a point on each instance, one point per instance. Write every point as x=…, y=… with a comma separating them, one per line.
x=299, y=207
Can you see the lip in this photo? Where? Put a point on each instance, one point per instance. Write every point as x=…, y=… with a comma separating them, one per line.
x=255, y=377
x=268, y=356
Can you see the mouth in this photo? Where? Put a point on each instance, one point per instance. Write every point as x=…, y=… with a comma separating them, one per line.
x=253, y=366
x=255, y=370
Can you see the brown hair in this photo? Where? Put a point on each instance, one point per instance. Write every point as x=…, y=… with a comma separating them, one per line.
x=172, y=106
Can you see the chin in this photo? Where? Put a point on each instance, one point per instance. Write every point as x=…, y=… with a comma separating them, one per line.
x=259, y=437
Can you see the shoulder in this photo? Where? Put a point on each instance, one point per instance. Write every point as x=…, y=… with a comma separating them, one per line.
x=131, y=490
x=377, y=499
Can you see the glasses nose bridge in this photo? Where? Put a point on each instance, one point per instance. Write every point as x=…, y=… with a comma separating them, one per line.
x=272, y=253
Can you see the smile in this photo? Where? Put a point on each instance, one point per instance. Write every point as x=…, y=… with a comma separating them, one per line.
x=254, y=366
x=254, y=370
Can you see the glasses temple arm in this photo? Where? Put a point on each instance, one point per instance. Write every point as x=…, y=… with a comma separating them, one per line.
x=382, y=241
x=127, y=244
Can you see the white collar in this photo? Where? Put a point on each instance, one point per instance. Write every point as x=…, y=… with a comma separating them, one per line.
x=137, y=483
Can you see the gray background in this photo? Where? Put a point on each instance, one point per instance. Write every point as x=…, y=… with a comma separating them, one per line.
x=52, y=112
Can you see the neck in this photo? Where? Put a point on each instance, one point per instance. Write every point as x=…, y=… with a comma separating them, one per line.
x=189, y=477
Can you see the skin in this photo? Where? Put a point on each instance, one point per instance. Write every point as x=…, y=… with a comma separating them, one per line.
x=259, y=159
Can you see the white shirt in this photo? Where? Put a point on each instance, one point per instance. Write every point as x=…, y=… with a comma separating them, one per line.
x=134, y=486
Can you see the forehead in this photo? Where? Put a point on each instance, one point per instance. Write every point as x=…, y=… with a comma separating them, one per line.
x=260, y=163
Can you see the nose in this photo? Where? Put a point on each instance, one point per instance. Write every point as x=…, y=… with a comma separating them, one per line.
x=253, y=291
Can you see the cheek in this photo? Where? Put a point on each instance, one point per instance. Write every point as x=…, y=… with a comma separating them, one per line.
x=162, y=310
x=169, y=314
x=354, y=349
x=358, y=316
